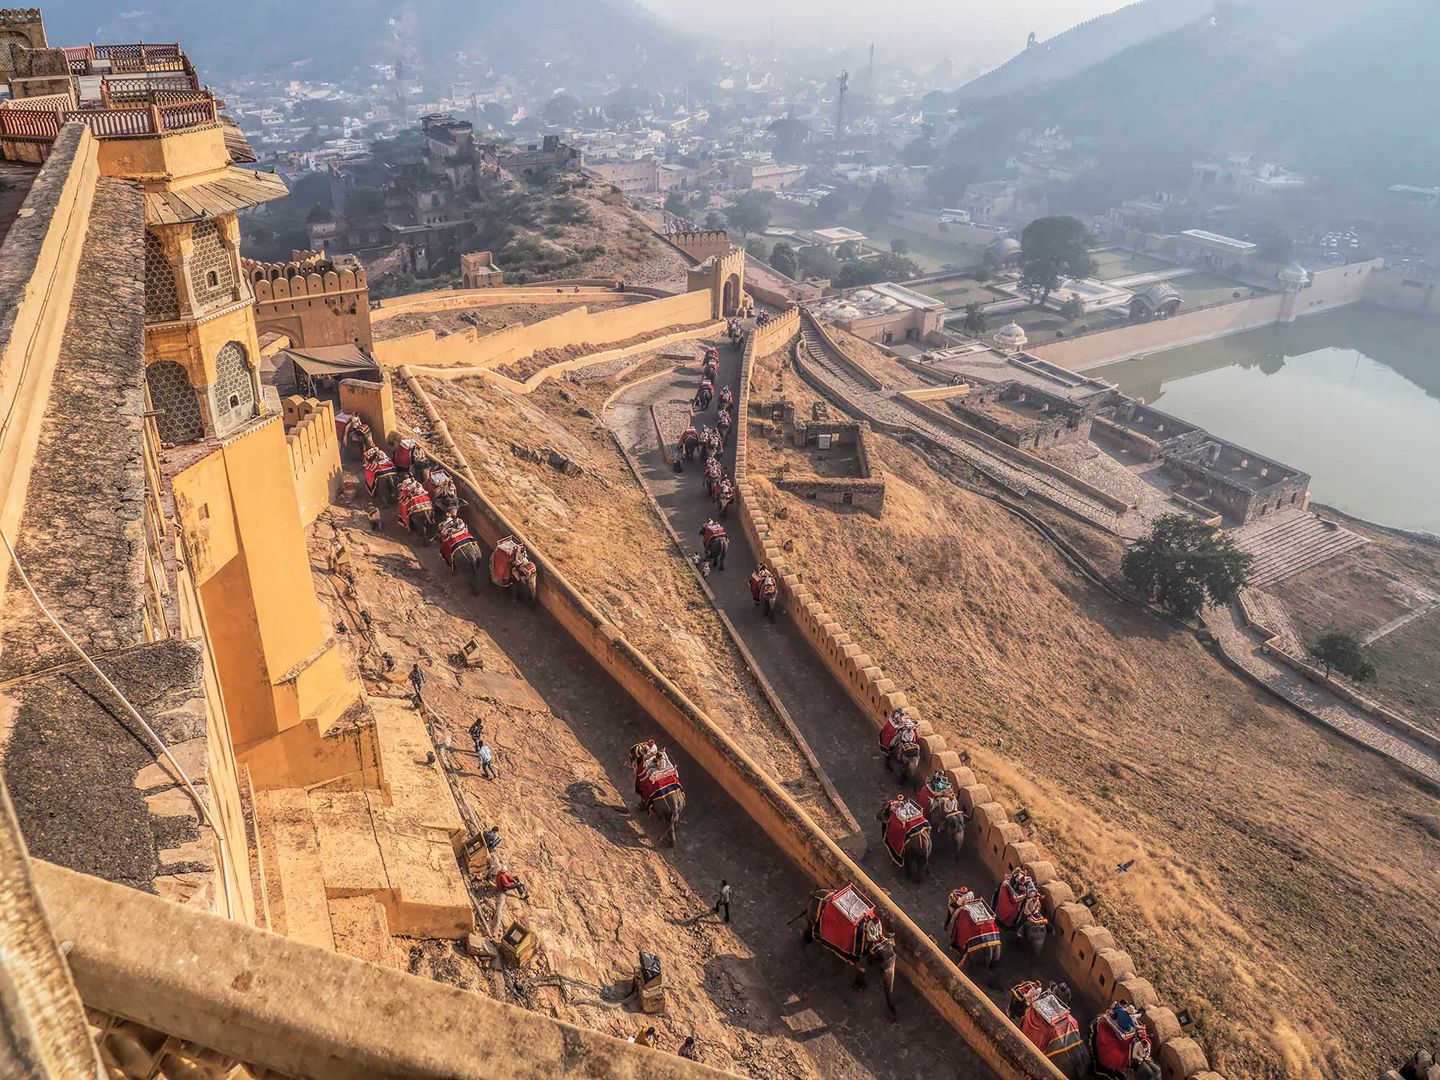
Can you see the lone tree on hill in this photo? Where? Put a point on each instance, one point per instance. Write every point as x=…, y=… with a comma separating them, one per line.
x=1343, y=652
x=1182, y=563
x=1053, y=249
x=974, y=323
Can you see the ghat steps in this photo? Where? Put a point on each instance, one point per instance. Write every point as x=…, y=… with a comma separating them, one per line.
x=1289, y=543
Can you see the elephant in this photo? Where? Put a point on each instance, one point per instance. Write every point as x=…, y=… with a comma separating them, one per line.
x=715, y=555
x=1034, y=928
x=724, y=495
x=422, y=524
x=989, y=955
x=359, y=436
x=948, y=821
x=689, y=445
x=525, y=584
x=1139, y=1066
x=917, y=853
x=668, y=807
x=387, y=488
x=907, y=756
x=470, y=559
x=880, y=954
x=1066, y=1048
x=702, y=398
x=722, y=425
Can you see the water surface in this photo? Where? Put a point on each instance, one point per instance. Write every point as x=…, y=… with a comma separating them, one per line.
x=1352, y=397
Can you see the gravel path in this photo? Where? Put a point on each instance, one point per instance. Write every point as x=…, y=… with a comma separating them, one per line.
x=1224, y=622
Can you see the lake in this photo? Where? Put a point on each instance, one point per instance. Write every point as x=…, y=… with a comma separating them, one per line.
x=1352, y=397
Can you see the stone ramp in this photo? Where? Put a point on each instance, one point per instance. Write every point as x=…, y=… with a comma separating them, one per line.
x=1289, y=543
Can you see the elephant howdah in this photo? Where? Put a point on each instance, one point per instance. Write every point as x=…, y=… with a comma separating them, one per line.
x=972, y=927
x=657, y=782
x=1045, y=1019
x=1120, y=1045
x=906, y=822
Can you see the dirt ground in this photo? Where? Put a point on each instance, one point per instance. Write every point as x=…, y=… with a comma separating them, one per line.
x=1395, y=575
x=1252, y=863
x=486, y=319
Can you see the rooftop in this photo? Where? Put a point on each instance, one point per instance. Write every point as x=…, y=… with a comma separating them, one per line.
x=1241, y=247
x=871, y=301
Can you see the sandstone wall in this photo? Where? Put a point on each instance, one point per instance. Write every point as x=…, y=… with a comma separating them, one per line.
x=1392, y=289
x=314, y=454
x=579, y=325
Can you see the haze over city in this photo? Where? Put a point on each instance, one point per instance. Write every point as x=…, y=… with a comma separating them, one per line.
x=646, y=539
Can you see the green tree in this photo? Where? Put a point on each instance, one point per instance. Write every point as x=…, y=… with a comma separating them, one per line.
x=1343, y=652
x=974, y=323
x=675, y=202
x=880, y=203
x=819, y=262
x=783, y=261
x=1053, y=249
x=834, y=203
x=1072, y=308
x=1184, y=562
x=947, y=184
x=749, y=214
x=714, y=222
x=791, y=138
x=849, y=251
x=885, y=267
x=900, y=246
x=1276, y=248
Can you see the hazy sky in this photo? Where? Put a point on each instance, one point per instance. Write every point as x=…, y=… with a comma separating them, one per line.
x=964, y=26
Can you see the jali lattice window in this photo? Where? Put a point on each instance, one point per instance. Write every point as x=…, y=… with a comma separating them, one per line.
x=211, y=276
x=234, y=393
x=177, y=410
x=162, y=301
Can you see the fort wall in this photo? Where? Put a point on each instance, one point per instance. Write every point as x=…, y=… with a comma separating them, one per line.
x=578, y=325
x=548, y=293
x=1328, y=289
x=1393, y=289
x=701, y=244
x=1088, y=952
x=952, y=994
x=38, y=272
x=314, y=455
x=311, y=307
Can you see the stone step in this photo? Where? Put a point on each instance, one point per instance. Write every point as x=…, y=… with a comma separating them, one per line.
x=294, y=869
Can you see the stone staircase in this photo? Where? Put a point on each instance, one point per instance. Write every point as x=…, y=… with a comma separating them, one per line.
x=1290, y=543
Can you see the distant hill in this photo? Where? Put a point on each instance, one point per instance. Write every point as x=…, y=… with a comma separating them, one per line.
x=1340, y=90
x=578, y=39
x=1085, y=44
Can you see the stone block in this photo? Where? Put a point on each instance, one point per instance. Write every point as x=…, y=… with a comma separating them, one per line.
x=930, y=747
x=1078, y=955
x=1111, y=965
x=1162, y=1024
x=999, y=836
x=1181, y=1059
x=1069, y=917
x=986, y=814
x=1040, y=871
x=1136, y=990
x=973, y=796
x=898, y=700
x=1019, y=852
x=1056, y=894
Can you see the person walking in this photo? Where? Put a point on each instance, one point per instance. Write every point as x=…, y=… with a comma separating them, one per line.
x=487, y=761
x=723, y=900
x=417, y=680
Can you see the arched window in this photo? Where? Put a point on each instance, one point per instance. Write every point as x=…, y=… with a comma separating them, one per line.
x=177, y=410
x=234, y=393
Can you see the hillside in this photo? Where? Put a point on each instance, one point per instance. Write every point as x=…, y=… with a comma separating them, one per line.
x=1269, y=78
x=334, y=39
x=1085, y=44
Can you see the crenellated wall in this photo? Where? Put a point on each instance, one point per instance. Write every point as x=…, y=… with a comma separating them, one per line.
x=314, y=454
x=1089, y=954
x=701, y=244
x=310, y=302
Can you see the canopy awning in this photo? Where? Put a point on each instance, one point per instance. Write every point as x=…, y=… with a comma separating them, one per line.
x=333, y=361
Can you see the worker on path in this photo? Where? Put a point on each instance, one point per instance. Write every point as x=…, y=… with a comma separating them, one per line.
x=417, y=680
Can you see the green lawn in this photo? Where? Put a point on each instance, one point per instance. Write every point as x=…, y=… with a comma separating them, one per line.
x=929, y=254
x=1204, y=288
x=1042, y=323
x=958, y=292
x=1117, y=263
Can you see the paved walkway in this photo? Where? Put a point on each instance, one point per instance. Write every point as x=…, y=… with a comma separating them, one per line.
x=841, y=736
x=1335, y=712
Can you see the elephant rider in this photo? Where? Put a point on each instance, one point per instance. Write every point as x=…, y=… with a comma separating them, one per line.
x=1009, y=898
x=712, y=530
x=377, y=464
x=888, y=808
x=899, y=730
x=707, y=386
x=687, y=435
x=1119, y=1040
x=957, y=900
x=420, y=462
x=761, y=580
x=937, y=786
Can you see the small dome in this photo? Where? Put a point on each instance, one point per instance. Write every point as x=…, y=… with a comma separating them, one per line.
x=1294, y=274
x=1011, y=336
x=1005, y=247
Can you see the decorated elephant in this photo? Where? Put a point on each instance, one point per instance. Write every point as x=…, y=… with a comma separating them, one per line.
x=1043, y=1016
x=358, y=437
x=461, y=551
x=907, y=838
x=657, y=782
x=971, y=929
x=846, y=924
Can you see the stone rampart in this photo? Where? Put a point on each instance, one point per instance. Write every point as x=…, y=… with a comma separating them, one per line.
x=1088, y=952
x=314, y=454
x=610, y=326
x=311, y=305
x=952, y=994
x=548, y=292
x=701, y=244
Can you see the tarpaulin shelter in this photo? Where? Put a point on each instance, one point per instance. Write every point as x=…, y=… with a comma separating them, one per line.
x=314, y=372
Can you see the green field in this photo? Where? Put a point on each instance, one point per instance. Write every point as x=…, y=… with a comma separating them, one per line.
x=1116, y=263
x=958, y=292
x=1202, y=289
x=929, y=254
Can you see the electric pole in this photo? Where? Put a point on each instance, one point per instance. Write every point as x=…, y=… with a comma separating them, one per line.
x=840, y=111
x=870, y=88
